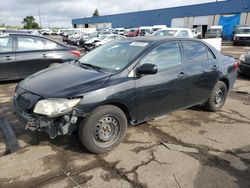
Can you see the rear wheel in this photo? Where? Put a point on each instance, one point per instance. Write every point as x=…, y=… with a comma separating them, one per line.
x=217, y=98
x=103, y=129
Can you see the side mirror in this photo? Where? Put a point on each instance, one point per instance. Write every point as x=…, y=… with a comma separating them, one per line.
x=147, y=69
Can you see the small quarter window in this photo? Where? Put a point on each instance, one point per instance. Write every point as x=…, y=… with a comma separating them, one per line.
x=29, y=43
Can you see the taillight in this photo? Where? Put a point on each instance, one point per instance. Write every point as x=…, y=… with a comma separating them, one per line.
x=75, y=52
x=236, y=64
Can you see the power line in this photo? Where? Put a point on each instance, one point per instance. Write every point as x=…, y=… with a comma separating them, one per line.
x=39, y=13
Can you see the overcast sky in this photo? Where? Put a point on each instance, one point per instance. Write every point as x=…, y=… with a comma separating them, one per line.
x=58, y=13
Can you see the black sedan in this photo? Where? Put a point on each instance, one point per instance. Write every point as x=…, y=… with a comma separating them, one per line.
x=123, y=82
x=22, y=55
x=244, y=66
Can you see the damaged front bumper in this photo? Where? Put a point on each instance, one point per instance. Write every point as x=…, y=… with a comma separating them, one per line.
x=24, y=103
x=63, y=125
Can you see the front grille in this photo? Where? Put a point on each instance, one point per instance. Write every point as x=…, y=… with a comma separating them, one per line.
x=25, y=100
x=244, y=38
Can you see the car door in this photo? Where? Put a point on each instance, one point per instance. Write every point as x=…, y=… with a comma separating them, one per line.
x=8, y=66
x=201, y=70
x=166, y=90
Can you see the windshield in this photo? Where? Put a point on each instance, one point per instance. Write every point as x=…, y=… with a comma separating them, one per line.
x=102, y=37
x=213, y=31
x=243, y=31
x=161, y=33
x=113, y=56
x=70, y=32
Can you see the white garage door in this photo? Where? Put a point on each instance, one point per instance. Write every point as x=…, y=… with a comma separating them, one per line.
x=177, y=22
x=201, y=20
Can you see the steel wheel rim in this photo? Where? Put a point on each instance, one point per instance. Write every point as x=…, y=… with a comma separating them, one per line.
x=218, y=97
x=106, y=131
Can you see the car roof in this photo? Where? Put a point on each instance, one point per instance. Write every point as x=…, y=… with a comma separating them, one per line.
x=156, y=39
x=174, y=28
x=30, y=35
x=243, y=27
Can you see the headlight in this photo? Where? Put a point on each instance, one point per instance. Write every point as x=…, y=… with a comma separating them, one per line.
x=242, y=58
x=55, y=107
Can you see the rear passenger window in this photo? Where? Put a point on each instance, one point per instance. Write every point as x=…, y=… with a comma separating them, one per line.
x=29, y=43
x=5, y=44
x=194, y=51
x=50, y=45
x=165, y=55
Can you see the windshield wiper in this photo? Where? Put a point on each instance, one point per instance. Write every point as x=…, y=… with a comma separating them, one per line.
x=89, y=65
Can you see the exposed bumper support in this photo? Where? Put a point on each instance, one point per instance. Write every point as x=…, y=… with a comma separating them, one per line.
x=62, y=125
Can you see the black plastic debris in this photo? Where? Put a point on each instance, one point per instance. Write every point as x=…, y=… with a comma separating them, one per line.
x=9, y=135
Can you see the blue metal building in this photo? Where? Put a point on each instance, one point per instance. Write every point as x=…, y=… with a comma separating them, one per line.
x=184, y=16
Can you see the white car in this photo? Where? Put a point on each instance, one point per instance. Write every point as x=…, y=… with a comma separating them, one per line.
x=46, y=32
x=174, y=32
x=100, y=40
x=242, y=35
x=107, y=38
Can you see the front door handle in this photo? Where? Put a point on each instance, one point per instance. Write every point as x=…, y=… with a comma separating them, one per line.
x=214, y=67
x=182, y=75
x=8, y=58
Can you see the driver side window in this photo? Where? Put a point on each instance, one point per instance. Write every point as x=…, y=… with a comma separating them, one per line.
x=165, y=55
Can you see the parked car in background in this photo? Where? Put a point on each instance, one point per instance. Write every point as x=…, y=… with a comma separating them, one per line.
x=100, y=40
x=213, y=33
x=120, y=31
x=22, y=55
x=35, y=32
x=145, y=30
x=244, y=66
x=87, y=37
x=242, y=35
x=55, y=32
x=174, y=32
x=66, y=34
x=157, y=27
x=107, y=38
x=7, y=31
x=46, y=31
x=125, y=81
x=133, y=32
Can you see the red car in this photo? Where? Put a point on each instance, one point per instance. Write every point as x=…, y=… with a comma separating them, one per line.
x=133, y=32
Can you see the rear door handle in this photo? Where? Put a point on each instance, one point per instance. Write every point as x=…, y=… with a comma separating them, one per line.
x=8, y=58
x=45, y=55
x=182, y=75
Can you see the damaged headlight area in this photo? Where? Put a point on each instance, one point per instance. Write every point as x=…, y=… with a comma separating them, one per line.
x=55, y=107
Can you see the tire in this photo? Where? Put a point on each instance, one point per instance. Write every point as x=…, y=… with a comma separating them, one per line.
x=217, y=98
x=107, y=118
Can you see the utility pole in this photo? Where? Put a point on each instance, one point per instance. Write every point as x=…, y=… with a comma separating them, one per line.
x=39, y=13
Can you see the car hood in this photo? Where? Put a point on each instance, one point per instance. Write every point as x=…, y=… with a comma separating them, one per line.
x=242, y=35
x=65, y=80
x=92, y=40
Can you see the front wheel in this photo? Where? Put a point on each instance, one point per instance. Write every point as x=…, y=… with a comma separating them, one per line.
x=103, y=129
x=217, y=98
